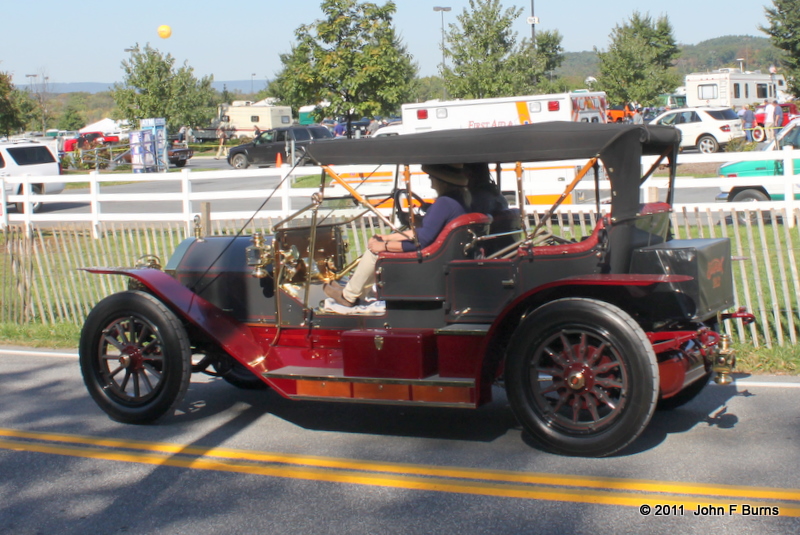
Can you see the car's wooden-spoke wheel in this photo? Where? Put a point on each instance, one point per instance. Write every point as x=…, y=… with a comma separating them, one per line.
x=135, y=357
x=582, y=377
x=577, y=380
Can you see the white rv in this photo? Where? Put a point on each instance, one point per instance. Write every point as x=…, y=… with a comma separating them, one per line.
x=578, y=106
x=241, y=117
x=733, y=88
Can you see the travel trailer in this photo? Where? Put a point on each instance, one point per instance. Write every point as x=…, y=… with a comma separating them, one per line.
x=733, y=88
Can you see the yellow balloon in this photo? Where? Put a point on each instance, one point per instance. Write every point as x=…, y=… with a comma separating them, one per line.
x=164, y=31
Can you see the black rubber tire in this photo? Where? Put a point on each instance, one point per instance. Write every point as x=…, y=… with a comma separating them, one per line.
x=236, y=374
x=300, y=158
x=36, y=189
x=180, y=163
x=751, y=195
x=759, y=134
x=684, y=396
x=239, y=161
x=614, y=393
x=135, y=379
x=707, y=144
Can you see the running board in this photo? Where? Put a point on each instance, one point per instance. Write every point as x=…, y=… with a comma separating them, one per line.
x=330, y=384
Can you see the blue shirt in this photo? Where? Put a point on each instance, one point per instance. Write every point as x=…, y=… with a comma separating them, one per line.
x=441, y=212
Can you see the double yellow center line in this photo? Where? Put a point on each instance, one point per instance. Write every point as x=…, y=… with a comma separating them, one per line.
x=520, y=485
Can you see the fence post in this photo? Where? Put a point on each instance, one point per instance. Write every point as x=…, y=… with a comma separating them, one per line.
x=788, y=184
x=651, y=194
x=186, y=191
x=205, y=217
x=94, y=192
x=286, y=201
x=28, y=205
x=3, y=203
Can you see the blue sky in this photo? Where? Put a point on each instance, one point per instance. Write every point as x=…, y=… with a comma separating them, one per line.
x=85, y=42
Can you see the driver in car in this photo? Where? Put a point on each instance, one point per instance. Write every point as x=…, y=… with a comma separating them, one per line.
x=452, y=199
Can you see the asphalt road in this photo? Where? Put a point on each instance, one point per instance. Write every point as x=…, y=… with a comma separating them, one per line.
x=232, y=461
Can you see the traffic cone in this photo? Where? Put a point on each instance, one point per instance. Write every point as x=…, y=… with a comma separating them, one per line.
x=278, y=160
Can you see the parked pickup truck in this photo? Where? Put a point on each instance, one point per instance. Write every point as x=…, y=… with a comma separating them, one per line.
x=789, y=136
x=620, y=114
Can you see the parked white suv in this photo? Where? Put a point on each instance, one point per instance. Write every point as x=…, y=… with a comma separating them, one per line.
x=708, y=129
x=28, y=158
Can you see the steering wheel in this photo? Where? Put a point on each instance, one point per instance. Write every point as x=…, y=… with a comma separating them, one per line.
x=418, y=208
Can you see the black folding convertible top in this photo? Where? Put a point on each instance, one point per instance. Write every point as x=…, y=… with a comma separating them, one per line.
x=525, y=143
x=619, y=146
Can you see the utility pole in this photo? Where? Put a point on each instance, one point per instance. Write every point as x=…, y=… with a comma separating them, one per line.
x=442, y=10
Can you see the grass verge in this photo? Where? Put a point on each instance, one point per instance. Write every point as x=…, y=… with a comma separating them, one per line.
x=57, y=336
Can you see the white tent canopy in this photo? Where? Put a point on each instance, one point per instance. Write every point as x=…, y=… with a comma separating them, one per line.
x=106, y=126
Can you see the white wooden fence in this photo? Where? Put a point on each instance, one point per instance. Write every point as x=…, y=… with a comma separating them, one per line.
x=100, y=196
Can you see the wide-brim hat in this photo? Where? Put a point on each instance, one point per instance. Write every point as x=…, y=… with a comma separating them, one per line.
x=450, y=173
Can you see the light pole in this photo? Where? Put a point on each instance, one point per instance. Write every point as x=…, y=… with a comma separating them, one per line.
x=741, y=64
x=533, y=26
x=252, y=76
x=533, y=20
x=442, y=10
x=31, y=85
x=42, y=101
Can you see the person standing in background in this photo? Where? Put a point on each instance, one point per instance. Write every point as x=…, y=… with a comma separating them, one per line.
x=748, y=120
x=222, y=150
x=769, y=119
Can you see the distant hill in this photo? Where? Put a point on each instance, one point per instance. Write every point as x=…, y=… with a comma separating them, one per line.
x=757, y=53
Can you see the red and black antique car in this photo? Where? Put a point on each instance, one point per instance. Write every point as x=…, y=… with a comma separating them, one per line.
x=587, y=337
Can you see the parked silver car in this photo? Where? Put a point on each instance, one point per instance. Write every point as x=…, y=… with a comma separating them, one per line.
x=28, y=158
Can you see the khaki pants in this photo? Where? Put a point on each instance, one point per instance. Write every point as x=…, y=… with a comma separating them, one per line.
x=363, y=278
x=222, y=150
x=769, y=128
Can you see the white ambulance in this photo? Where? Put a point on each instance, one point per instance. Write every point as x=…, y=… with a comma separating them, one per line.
x=577, y=106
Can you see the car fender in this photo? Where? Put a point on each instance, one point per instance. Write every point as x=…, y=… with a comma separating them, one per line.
x=234, y=337
x=503, y=326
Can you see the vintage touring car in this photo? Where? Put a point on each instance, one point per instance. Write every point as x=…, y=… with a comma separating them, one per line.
x=587, y=337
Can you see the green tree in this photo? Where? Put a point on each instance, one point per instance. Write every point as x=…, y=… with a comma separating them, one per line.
x=428, y=88
x=352, y=60
x=485, y=58
x=548, y=46
x=70, y=119
x=12, y=109
x=153, y=87
x=638, y=65
x=784, y=19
